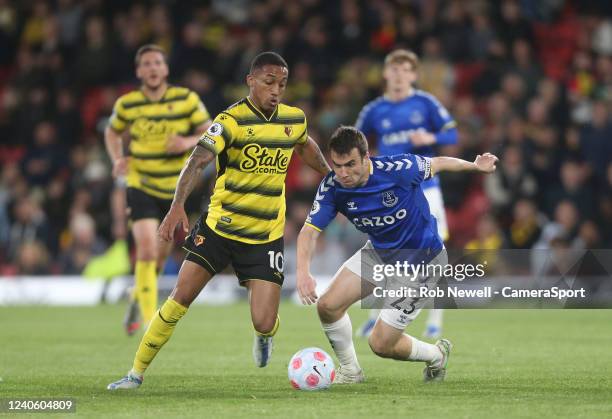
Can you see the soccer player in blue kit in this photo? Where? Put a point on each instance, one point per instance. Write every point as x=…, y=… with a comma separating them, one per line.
x=381, y=196
x=408, y=120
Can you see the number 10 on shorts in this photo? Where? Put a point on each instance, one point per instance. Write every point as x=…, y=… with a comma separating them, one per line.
x=276, y=260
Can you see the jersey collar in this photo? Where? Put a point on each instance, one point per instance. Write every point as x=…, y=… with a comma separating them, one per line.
x=259, y=113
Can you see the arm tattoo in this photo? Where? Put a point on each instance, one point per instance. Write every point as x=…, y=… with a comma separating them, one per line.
x=199, y=159
x=311, y=154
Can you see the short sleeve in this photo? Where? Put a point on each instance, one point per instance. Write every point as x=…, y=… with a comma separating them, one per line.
x=440, y=118
x=304, y=133
x=118, y=120
x=220, y=134
x=416, y=168
x=200, y=114
x=323, y=208
x=363, y=122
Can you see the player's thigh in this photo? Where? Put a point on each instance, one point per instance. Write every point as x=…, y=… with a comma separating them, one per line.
x=264, y=298
x=348, y=286
x=206, y=248
x=192, y=278
x=146, y=239
x=343, y=292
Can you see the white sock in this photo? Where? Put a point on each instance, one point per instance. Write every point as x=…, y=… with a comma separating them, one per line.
x=374, y=312
x=340, y=336
x=435, y=317
x=423, y=351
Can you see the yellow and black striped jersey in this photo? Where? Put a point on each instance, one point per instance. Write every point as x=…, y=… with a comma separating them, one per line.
x=151, y=168
x=253, y=154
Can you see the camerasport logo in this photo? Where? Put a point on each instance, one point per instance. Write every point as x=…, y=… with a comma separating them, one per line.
x=258, y=159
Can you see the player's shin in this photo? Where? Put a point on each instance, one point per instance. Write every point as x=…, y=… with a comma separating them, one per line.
x=159, y=331
x=339, y=334
x=146, y=288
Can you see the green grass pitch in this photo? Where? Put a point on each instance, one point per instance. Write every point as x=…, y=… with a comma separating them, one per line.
x=506, y=363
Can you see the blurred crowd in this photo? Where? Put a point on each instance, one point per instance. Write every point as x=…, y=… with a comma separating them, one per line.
x=529, y=81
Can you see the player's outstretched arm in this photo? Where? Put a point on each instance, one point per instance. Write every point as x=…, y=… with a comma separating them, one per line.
x=484, y=163
x=199, y=159
x=306, y=284
x=312, y=156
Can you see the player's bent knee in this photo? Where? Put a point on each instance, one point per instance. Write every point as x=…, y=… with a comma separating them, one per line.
x=264, y=325
x=327, y=309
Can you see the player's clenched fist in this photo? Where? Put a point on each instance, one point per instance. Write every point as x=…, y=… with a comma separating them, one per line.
x=486, y=162
x=176, y=216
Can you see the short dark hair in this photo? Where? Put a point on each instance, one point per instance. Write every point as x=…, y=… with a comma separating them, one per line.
x=268, y=58
x=148, y=48
x=346, y=138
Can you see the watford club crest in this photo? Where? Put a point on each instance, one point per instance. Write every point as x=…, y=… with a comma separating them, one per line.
x=288, y=131
x=199, y=240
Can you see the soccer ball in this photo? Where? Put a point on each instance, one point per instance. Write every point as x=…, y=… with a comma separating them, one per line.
x=311, y=369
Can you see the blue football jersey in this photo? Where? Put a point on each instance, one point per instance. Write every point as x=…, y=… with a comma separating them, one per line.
x=391, y=207
x=391, y=124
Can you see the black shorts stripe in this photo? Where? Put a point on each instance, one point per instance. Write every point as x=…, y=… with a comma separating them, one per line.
x=157, y=156
x=259, y=190
x=159, y=174
x=245, y=234
x=250, y=212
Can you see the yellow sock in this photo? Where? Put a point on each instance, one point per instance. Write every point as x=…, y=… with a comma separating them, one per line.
x=157, y=334
x=271, y=332
x=146, y=288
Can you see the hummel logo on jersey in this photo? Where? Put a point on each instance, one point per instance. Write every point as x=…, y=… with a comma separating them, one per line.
x=396, y=165
x=351, y=205
x=389, y=199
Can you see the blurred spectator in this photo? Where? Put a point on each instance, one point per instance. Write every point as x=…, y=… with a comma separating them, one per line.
x=573, y=188
x=45, y=158
x=28, y=224
x=510, y=182
x=526, y=226
x=32, y=259
x=563, y=226
x=94, y=62
x=82, y=245
x=595, y=142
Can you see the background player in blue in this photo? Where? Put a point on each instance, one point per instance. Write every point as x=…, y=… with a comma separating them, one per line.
x=408, y=120
x=382, y=197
